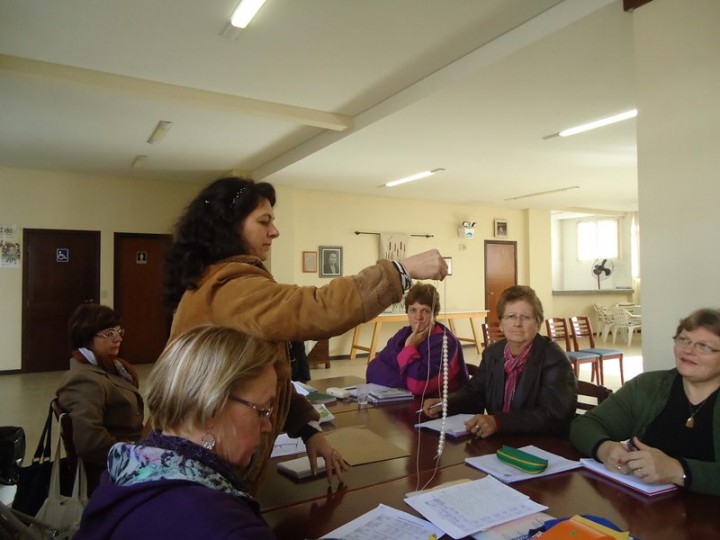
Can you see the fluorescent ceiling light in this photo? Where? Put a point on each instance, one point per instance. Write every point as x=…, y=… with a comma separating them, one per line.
x=412, y=178
x=159, y=132
x=599, y=123
x=245, y=12
x=139, y=162
x=542, y=193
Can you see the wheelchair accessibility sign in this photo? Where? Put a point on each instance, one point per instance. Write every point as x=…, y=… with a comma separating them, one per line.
x=62, y=255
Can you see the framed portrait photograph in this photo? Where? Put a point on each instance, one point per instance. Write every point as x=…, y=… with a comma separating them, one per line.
x=331, y=261
x=501, y=228
x=309, y=262
x=448, y=260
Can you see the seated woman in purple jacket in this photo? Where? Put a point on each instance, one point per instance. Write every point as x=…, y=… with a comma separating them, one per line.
x=209, y=419
x=412, y=357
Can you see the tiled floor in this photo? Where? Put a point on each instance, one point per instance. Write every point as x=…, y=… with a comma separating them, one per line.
x=24, y=399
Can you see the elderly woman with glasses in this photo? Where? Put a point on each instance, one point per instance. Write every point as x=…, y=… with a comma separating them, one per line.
x=100, y=391
x=210, y=418
x=524, y=384
x=663, y=426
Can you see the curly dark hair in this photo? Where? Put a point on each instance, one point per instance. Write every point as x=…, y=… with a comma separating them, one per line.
x=87, y=320
x=208, y=231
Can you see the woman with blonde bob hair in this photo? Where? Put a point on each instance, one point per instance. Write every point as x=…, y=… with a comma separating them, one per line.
x=210, y=417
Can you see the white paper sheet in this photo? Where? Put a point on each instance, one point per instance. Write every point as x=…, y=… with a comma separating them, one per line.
x=502, y=471
x=467, y=508
x=628, y=480
x=386, y=523
x=454, y=425
x=286, y=446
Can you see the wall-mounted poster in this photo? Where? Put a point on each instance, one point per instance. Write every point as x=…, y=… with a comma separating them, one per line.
x=501, y=228
x=10, y=249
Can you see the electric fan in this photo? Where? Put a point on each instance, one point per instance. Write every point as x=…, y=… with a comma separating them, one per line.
x=601, y=270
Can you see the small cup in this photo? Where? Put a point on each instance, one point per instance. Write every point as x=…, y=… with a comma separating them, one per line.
x=362, y=395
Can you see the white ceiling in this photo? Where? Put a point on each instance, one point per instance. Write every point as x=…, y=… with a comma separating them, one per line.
x=338, y=95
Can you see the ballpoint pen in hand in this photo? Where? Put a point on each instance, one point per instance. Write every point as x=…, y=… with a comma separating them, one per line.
x=439, y=404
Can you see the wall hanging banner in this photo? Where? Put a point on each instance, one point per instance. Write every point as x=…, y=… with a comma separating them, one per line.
x=10, y=248
x=393, y=245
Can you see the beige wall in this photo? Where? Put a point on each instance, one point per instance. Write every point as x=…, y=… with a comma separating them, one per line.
x=306, y=219
x=45, y=200
x=678, y=84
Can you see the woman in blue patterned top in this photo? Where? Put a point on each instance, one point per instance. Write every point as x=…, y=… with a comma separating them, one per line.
x=209, y=418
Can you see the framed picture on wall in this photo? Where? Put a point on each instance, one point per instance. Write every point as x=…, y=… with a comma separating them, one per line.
x=501, y=228
x=309, y=262
x=331, y=261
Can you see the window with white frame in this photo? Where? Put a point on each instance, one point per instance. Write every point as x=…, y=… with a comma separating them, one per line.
x=597, y=239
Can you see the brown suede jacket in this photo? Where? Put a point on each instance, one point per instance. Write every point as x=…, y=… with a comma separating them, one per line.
x=240, y=293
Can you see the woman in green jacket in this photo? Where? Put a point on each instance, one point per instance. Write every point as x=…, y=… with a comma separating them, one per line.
x=664, y=426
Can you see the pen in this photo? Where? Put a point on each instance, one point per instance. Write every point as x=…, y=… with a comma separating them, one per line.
x=431, y=407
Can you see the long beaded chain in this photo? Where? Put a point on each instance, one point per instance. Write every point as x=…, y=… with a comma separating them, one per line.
x=443, y=395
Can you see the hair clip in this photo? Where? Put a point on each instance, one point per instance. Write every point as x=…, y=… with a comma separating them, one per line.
x=237, y=195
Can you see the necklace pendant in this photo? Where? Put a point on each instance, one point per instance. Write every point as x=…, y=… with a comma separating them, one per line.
x=690, y=422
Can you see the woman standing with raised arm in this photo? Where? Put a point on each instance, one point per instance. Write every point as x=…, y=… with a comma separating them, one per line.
x=215, y=275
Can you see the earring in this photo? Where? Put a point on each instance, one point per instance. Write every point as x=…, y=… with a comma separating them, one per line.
x=208, y=441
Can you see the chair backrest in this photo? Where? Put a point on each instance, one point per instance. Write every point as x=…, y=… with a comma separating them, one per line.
x=581, y=328
x=595, y=393
x=66, y=432
x=557, y=331
x=621, y=316
x=604, y=313
x=491, y=333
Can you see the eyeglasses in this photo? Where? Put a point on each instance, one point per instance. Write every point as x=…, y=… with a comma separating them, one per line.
x=110, y=334
x=698, y=346
x=514, y=318
x=263, y=412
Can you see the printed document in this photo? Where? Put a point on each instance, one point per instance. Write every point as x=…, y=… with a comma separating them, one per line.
x=386, y=523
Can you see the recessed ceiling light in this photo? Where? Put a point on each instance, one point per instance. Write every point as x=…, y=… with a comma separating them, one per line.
x=160, y=131
x=412, y=178
x=599, y=123
x=542, y=193
x=244, y=13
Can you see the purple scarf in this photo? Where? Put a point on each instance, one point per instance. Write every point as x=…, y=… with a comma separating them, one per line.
x=514, y=366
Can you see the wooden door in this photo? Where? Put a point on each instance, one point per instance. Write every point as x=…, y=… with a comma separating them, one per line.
x=139, y=269
x=500, y=273
x=61, y=270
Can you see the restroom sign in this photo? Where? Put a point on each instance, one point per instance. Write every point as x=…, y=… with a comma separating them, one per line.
x=141, y=257
x=62, y=255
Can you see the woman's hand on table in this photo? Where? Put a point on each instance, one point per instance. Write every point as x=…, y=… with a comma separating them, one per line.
x=318, y=446
x=482, y=425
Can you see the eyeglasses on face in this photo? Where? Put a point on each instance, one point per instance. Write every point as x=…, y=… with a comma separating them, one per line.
x=111, y=333
x=515, y=317
x=263, y=412
x=698, y=346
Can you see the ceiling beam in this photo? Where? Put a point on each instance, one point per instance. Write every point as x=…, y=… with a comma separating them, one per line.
x=164, y=91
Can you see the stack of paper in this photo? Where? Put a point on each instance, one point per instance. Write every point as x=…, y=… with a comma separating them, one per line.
x=506, y=473
x=465, y=509
x=387, y=522
x=628, y=480
x=454, y=425
x=384, y=394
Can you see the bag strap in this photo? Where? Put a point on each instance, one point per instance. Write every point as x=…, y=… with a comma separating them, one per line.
x=54, y=490
x=42, y=452
x=80, y=485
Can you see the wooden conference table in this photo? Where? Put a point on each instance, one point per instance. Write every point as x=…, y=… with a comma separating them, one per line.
x=451, y=317
x=310, y=508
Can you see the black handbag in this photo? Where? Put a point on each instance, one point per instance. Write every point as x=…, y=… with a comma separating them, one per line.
x=12, y=453
x=33, y=483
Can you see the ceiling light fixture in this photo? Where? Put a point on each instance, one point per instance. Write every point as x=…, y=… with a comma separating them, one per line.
x=599, y=123
x=412, y=178
x=244, y=13
x=138, y=162
x=542, y=193
x=160, y=131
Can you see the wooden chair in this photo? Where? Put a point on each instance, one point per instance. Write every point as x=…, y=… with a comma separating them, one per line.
x=557, y=330
x=591, y=395
x=581, y=329
x=491, y=333
x=320, y=354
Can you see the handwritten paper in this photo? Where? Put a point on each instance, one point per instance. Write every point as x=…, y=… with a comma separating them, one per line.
x=454, y=425
x=467, y=508
x=386, y=523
